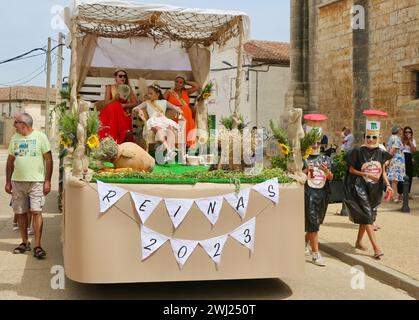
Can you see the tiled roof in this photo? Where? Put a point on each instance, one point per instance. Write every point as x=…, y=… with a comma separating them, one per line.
x=26, y=93
x=268, y=51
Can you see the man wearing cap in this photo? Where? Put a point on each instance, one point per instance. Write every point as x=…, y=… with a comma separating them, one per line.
x=318, y=169
x=179, y=96
x=364, y=180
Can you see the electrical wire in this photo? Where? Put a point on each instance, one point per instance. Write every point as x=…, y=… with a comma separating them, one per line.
x=23, y=56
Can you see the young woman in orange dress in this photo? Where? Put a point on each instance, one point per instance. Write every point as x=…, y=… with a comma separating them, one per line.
x=179, y=96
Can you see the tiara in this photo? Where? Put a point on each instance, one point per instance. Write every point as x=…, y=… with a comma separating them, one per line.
x=156, y=86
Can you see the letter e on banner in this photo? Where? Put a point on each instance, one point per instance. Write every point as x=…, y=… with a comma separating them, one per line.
x=144, y=204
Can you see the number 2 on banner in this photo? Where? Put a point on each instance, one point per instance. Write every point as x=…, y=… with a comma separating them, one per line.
x=217, y=248
x=154, y=241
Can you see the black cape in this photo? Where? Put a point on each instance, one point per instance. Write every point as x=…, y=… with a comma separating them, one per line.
x=315, y=200
x=361, y=197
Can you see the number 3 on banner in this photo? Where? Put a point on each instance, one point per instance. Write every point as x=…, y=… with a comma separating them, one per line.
x=247, y=236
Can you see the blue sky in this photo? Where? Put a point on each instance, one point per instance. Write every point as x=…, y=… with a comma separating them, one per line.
x=25, y=29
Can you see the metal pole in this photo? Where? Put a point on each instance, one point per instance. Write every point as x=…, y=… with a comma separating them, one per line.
x=406, y=184
x=58, y=84
x=48, y=85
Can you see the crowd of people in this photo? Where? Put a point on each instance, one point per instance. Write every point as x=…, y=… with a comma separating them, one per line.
x=373, y=168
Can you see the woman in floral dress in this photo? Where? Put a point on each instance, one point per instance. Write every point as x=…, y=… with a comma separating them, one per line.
x=396, y=169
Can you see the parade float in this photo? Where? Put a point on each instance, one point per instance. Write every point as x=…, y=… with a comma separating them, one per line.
x=141, y=226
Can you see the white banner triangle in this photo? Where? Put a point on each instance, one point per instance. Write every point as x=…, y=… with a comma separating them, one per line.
x=177, y=209
x=245, y=234
x=214, y=247
x=108, y=195
x=144, y=204
x=269, y=189
x=150, y=241
x=182, y=249
x=239, y=201
x=210, y=207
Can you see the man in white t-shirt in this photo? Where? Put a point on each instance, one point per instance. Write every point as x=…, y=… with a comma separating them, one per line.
x=348, y=140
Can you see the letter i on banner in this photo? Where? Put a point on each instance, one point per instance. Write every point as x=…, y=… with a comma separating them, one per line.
x=182, y=249
x=178, y=209
x=150, y=241
x=210, y=208
x=108, y=195
x=214, y=247
x=144, y=204
x=239, y=201
x=245, y=234
x=269, y=189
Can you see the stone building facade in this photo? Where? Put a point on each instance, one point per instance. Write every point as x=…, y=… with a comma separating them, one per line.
x=352, y=55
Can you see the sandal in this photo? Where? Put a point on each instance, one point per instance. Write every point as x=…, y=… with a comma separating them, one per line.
x=377, y=255
x=22, y=248
x=39, y=253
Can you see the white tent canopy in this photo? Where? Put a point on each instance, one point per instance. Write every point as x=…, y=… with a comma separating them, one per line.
x=124, y=19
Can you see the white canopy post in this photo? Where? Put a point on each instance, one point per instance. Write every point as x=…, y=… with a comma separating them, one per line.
x=200, y=59
x=73, y=67
x=236, y=120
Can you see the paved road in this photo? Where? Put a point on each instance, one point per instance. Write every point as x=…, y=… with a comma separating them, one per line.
x=24, y=277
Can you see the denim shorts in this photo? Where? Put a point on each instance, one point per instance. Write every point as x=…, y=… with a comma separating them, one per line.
x=27, y=196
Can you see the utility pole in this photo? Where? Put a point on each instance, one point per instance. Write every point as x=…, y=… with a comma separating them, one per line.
x=10, y=101
x=48, y=85
x=58, y=84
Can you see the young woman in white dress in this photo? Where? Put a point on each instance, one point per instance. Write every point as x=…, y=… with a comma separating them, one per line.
x=157, y=121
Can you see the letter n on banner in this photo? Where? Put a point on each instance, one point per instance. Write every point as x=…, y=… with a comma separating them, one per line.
x=108, y=195
x=210, y=208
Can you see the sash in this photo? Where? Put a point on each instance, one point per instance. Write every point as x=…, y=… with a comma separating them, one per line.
x=155, y=106
x=174, y=93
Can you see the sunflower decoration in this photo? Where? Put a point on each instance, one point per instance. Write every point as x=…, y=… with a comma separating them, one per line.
x=65, y=141
x=93, y=141
x=285, y=150
x=307, y=153
x=206, y=91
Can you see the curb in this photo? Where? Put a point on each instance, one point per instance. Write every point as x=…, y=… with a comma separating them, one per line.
x=381, y=273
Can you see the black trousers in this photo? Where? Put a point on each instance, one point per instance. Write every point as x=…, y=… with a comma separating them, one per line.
x=409, y=172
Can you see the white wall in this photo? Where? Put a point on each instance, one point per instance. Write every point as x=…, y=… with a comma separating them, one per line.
x=262, y=95
x=268, y=90
x=221, y=103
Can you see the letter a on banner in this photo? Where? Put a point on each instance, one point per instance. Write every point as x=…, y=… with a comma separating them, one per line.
x=245, y=234
x=177, y=209
x=108, y=195
x=150, y=241
x=183, y=249
x=239, y=201
x=269, y=189
x=210, y=207
x=214, y=247
x=144, y=204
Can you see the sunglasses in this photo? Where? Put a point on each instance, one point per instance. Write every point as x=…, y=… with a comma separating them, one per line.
x=372, y=137
x=408, y=132
x=122, y=76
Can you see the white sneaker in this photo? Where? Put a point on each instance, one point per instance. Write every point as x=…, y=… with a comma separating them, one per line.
x=170, y=156
x=308, y=249
x=30, y=231
x=15, y=227
x=318, y=259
